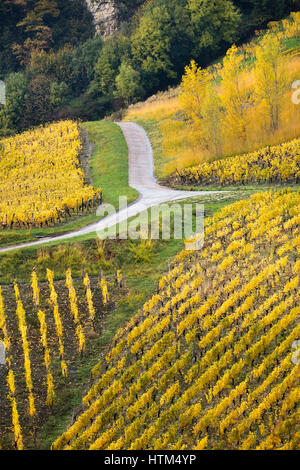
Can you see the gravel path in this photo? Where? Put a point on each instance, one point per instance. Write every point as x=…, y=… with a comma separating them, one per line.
x=141, y=178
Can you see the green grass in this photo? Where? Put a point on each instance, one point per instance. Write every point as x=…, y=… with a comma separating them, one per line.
x=109, y=171
x=109, y=163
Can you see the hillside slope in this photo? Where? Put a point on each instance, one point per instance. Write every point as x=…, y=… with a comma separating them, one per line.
x=209, y=361
x=226, y=109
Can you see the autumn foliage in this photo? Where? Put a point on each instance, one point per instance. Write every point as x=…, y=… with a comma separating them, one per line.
x=42, y=182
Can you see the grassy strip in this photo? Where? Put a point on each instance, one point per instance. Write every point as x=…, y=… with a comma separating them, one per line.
x=12, y=237
x=109, y=171
x=109, y=164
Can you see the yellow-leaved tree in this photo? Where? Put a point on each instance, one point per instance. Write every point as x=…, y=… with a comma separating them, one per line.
x=270, y=80
x=201, y=105
x=235, y=95
x=193, y=90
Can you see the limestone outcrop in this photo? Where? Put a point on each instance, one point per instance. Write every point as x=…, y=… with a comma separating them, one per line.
x=106, y=17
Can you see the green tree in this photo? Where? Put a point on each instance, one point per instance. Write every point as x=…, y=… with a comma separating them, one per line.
x=128, y=86
x=151, y=47
x=59, y=95
x=215, y=24
x=38, y=105
x=107, y=66
x=86, y=56
x=11, y=114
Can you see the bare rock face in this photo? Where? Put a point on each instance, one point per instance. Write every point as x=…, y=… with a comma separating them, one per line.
x=105, y=13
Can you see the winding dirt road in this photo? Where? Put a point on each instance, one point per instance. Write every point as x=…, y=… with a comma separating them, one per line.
x=141, y=178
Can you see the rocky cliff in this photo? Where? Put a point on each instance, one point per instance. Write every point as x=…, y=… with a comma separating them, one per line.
x=106, y=16
x=110, y=14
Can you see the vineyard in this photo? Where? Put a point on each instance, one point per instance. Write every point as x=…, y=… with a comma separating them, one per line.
x=209, y=362
x=41, y=179
x=48, y=329
x=277, y=164
x=200, y=348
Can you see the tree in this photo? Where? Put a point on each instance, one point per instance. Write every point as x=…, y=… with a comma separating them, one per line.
x=270, y=80
x=201, y=105
x=59, y=94
x=181, y=34
x=215, y=24
x=128, y=84
x=40, y=35
x=38, y=106
x=82, y=67
x=193, y=90
x=265, y=10
x=11, y=12
x=151, y=48
x=257, y=13
x=73, y=26
x=12, y=112
x=87, y=55
x=234, y=95
x=107, y=66
x=56, y=65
